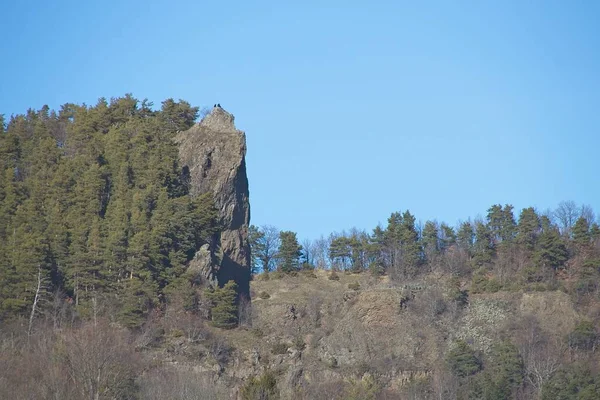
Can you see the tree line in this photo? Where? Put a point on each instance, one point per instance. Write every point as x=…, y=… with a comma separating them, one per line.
x=535, y=247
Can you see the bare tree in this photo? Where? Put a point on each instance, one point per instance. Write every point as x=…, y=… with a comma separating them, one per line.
x=566, y=214
x=101, y=362
x=59, y=311
x=308, y=251
x=541, y=354
x=444, y=384
x=170, y=383
x=587, y=212
x=38, y=292
x=244, y=312
x=320, y=250
x=269, y=246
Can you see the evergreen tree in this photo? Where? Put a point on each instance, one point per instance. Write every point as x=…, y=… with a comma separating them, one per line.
x=503, y=374
x=465, y=237
x=93, y=198
x=447, y=237
x=528, y=228
x=340, y=252
x=257, y=247
x=463, y=361
x=289, y=251
x=581, y=233
x=223, y=305
x=430, y=240
x=483, y=248
x=572, y=382
x=551, y=251
x=178, y=116
x=595, y=231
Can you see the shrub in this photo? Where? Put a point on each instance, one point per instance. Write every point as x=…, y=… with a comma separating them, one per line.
x=309, y=273
x=333, y=276
x=363, y=389
x=279, y=348
x=376, y=269
x=263, y=388
x=264, y=295
x=354, y=286
x=277, y=275
x=299, y=343
x=493, y=285
x=258, y=332
x=176, y=333
x=307, y=267
x=583, y=336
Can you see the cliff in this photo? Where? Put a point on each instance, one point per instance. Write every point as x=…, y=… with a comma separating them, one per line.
x=212, y=154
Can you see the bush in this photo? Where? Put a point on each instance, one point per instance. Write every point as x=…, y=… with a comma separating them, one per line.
x=307, y=267
x=264, y=295
x=299, y=343
x=354, y=286
x=176, y=333
x=258, y=332
x=277, y=275
x=584, y=336
x=279, y=348
x=309, y=273
x=333, y=276
x=376, y=269
x=493, y=285
x=263, y=388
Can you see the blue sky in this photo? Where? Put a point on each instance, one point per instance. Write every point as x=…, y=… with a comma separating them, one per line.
x=352, y=110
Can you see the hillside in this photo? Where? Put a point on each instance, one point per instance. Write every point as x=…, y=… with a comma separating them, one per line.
x=129, y=270
x=316, y=338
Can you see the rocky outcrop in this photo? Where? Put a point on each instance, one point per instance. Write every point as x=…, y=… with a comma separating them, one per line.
x=212, y=154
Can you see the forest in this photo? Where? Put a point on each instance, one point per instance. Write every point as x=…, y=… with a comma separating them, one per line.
x=97, y=228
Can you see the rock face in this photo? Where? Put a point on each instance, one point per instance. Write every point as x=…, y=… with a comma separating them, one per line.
x=212, y=153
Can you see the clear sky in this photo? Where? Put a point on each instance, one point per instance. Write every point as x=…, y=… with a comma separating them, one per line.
x=352, y=110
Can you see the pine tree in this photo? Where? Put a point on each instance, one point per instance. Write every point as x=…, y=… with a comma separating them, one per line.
x=223, y=305
x=447, y=237
x=462, y=360
x=289, y=251
x=551, y=251
x=256, y=240
x=483, y=249
x=581, y=234
x=430, y=240
x=465, y=237
x=528, y=228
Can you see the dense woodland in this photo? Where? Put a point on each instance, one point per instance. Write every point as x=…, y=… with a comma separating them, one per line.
x=96, y=229
x=93, y=204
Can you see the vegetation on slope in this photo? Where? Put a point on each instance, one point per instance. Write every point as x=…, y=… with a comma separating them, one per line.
x=94, y=204
x=97, y=227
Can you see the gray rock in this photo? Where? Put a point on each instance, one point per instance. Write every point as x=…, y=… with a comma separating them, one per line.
x=213, y=153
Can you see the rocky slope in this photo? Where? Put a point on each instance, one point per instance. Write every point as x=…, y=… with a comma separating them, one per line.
x=320, y=338
x=212, y=154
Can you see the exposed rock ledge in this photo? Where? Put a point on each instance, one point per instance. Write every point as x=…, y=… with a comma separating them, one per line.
x=213, y=152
